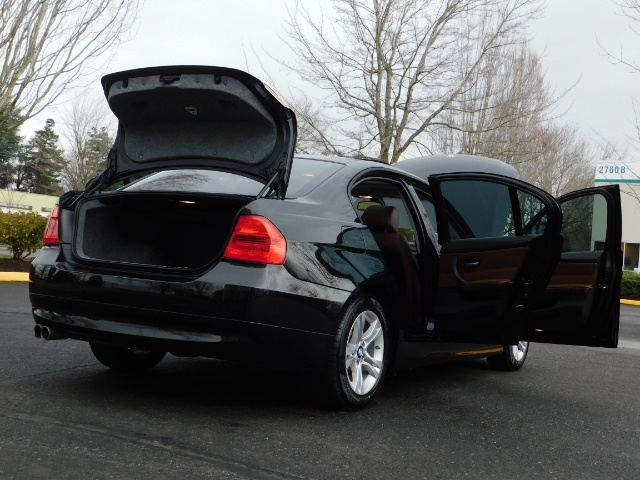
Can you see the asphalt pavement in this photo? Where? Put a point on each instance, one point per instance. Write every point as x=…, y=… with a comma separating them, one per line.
x=571, y=412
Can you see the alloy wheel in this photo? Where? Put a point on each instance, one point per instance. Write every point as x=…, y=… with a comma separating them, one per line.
x=364, y=356
x=519, y=351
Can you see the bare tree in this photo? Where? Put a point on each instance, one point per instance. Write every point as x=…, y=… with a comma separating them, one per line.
x=628, y=155
x=506, y=101
x=45, y=45
x=312, y=125
x=631, y=10
x=565, y=160
x=86, y=128
x=389, y=68
x=507, y=112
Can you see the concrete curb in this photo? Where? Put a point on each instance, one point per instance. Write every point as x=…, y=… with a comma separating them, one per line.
x=14, y=276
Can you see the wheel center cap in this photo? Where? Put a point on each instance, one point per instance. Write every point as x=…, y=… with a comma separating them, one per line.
x=360, y=352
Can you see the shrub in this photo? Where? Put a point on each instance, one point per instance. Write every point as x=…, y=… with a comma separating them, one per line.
x=22, y=232
x=630, y=287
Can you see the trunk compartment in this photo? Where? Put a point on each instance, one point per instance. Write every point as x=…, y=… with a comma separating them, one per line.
x=177, y=231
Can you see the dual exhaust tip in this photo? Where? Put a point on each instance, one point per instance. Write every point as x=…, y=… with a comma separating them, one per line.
x=47, y=333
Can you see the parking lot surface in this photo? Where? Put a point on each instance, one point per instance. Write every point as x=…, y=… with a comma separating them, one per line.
x=571, y=412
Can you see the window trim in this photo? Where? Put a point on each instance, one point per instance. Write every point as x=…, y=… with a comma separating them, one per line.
x=406, y=195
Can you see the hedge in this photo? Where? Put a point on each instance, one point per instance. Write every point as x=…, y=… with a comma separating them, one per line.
x=22, y=232
x=630, y=287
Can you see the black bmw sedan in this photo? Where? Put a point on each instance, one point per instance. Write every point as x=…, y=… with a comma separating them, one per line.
x=206, y=236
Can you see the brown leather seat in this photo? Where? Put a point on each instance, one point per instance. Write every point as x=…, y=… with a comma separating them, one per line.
x=383, y=223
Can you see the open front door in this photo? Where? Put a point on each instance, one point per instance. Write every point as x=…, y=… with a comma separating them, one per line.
x=492, y=269
x=581, y=304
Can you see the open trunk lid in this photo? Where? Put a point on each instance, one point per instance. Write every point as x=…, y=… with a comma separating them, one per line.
x=200, y=116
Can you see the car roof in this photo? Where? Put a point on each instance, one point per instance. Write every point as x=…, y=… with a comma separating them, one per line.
x=422, y=167
x=455, y=163
x=329, y=158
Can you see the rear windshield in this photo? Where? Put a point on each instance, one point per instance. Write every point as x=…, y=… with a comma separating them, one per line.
x=306, y=174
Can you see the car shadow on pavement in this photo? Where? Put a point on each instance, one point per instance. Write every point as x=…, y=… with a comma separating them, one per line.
x=197, y=383
x=209, y=382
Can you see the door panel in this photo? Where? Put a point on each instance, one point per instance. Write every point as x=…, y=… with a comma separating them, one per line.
x=475, y=269
x=581, y=305
x=475, y=288
x=563, y=308
x=573, y=276
x=491, y=271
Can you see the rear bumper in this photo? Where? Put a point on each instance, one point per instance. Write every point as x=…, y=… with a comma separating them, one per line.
x=235, y=311
x=263, y=344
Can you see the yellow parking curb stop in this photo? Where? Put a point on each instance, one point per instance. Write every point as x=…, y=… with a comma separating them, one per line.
x=630, y=302
x=14, y=276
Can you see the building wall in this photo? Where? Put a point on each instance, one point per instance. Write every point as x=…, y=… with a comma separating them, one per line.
x=630, y=199
x=627, y=176
x=12, y=201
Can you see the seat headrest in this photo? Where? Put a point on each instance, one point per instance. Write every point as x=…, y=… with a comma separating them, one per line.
x=379, y=218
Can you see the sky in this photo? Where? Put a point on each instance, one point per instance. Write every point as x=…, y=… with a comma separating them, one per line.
x=572, y=36
x=214, y=32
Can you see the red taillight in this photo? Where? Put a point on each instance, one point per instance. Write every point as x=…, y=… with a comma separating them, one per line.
x=51, y=232
x=256, y=239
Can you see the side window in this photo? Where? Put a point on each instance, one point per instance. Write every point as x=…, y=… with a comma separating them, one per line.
x=584, y=224
x=484, y=209
x=430, y=210
x=534, y=216
x=388, y=193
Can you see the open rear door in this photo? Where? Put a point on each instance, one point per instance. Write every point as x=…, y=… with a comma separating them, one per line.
x=581, y=304
x=492, y=270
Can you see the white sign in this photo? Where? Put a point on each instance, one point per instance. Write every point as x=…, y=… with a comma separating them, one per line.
x=15, y=205
x=628, y=172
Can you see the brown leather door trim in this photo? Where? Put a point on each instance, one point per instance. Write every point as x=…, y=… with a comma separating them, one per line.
x=494, y=267
x=572, y=276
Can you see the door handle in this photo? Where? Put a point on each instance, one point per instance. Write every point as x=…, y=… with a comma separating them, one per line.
x=456, y=273
x=469, y=263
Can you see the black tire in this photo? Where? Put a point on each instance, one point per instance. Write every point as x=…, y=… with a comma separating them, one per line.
x=368, y=354
x=510, y=360
x=124, y=359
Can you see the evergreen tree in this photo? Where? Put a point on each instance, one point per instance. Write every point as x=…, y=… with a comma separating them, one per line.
x=40, y=163
x=87, y=156
x=98, y=145
x=10, y=143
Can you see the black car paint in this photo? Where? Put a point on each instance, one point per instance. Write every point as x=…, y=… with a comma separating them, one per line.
x=331, y=259
x=228, y=311
x=129, y=280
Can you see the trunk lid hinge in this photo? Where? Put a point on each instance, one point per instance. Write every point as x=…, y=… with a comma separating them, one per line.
x=98, y=182
x=277, y=183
